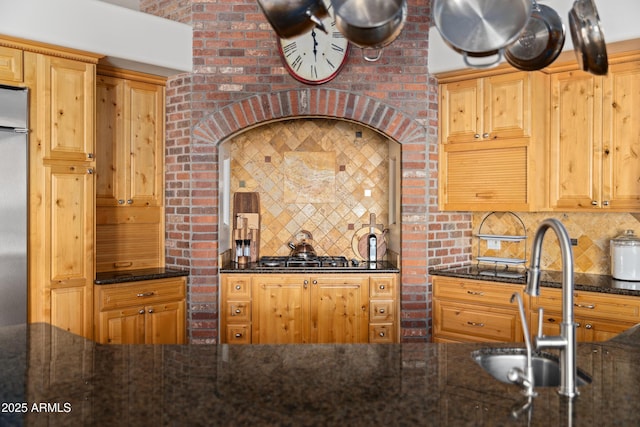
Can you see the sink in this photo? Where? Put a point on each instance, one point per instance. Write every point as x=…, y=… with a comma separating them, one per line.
x=546, y=367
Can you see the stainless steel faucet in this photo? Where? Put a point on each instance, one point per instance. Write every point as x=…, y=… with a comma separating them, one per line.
x=516, y=375
x=566, y=341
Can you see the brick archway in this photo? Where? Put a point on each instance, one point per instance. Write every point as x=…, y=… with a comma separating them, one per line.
x=200, y=170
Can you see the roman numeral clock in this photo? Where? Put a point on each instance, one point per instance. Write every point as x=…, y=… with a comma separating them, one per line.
x=315, y=57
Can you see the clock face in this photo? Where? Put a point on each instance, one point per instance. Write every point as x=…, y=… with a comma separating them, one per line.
x=315, y=57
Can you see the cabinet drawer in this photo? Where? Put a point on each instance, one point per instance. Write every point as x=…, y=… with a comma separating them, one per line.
x=381, y=311
x=591, y=304
x=381, y=287
x=237, y=287
x=238, y=311
x=11, y=64
x=381, y=333
x=140, y=293
x=475, y=291
x=475, y=323
x=238, y=334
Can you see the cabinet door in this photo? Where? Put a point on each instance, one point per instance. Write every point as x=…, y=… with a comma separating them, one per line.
x=65, y=104
x=507, y=106
x=460, y=111
x=144, y=119
x=280, y=311
x=111, y=155
x=574, y=143
x=621, y=141
x=339, y=311
x=68, y=244
x=165, y=323
x=125, y=326
x=11, y=65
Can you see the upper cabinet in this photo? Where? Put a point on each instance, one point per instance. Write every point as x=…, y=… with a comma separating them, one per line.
x=130, y=140
x=491, y=108
x=595, y=140
x=11, y=65
x=491, y=156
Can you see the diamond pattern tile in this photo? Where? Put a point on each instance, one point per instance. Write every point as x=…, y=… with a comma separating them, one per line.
x=365, y=162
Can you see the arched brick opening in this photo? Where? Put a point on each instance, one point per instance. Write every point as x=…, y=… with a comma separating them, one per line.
x=306, y=102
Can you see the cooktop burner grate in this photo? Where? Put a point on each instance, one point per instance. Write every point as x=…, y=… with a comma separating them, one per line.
x=320, y=261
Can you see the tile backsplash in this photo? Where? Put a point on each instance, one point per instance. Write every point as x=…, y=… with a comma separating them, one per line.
x=593, y=232
x=327, y=196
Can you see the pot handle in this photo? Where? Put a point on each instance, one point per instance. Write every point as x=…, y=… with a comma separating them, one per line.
x=371, y=58
x=487, y=65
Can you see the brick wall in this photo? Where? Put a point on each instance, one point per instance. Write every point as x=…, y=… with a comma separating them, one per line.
x=238, y=81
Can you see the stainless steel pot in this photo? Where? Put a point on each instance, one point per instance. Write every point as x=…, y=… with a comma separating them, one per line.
x=481, y=27
x=370, y=24
x=588, y=38
x=290, y=18
x=541, y=41
x=302, y=248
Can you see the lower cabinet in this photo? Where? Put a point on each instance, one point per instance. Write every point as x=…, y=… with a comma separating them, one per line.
x=302, y=308
x=598, y=317
x=145, y=312
x=474, y=310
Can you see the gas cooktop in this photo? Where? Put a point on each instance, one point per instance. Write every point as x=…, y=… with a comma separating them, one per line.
x=318, y=261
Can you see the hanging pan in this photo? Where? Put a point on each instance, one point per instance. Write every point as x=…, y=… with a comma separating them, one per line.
x=540, y=42
x=480, y=27
x=588, y=38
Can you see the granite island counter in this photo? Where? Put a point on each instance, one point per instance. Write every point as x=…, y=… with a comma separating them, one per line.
x=84, y=383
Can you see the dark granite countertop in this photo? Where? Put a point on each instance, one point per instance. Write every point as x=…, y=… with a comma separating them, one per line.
x=123, y=276
x=83, y=383
x=363, y=267
x=552, y=279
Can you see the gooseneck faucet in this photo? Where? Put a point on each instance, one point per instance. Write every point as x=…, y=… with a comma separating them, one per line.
x=566, y=341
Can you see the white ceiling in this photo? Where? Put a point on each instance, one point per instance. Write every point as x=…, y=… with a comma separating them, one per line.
x=130, y=4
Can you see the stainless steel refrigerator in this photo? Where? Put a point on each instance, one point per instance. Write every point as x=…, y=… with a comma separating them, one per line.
x=14, y=115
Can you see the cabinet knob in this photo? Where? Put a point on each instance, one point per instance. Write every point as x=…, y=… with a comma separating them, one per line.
x=382, y=287
x=315, y=282
x=238, y=287
x=381, y=333
x=588, y=326
x=381, y=311
x=238, y=311
x=90, y=171
x=485, y=135
x=594, y=203
x=477, y=135
x=90, y=155
x=120, y=202
x=141, y=311
x=238, y=335
x=605, y=203
x=129, y=201
x=150, y=310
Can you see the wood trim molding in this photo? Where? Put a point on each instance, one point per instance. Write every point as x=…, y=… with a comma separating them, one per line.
x=51, y=50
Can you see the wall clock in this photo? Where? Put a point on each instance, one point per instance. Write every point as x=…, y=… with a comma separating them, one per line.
x=315, y=57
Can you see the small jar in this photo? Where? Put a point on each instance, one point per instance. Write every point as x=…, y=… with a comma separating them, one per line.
x=625, y=256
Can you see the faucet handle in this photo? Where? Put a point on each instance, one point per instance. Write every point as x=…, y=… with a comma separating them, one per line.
x=540, y=321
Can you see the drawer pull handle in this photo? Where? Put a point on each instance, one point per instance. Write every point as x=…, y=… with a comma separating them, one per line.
x=145, y=294
x=479, y=325
x=479, y=293
x=587, y=306
x=122, y=264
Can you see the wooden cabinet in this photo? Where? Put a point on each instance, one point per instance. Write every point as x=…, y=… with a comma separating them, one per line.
x=489, y=108
x=304, y=308
x=129, y=170
x=598, y=317
x=61, y=188
x=474, y=310
x=146, y=312
x=491, y=156
x=130, y=139
x=11, y=65
x=594, y=139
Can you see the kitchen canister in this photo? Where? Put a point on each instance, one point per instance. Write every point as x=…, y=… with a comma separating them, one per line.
x=625, y=256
